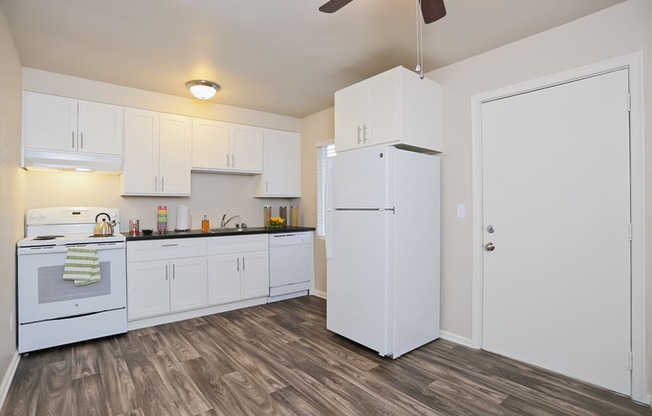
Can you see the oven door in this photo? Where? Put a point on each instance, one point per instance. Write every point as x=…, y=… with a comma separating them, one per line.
x=44, y=295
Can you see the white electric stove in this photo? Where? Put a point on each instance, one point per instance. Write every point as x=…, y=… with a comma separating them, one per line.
x=53, y=311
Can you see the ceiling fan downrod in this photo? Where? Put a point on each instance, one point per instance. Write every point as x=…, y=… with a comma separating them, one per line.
x=419, y=67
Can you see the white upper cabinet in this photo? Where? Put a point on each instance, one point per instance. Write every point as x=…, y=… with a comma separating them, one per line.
x=49, y=122
x=211, y=143
x=157, y=154
x=227, y=148
x=394, y=107
x=100, y=128
x=65, y=124
x=281, y=165
x=247, y=148
x=66, y=133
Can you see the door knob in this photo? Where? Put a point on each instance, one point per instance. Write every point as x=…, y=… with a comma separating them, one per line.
x=489, y=247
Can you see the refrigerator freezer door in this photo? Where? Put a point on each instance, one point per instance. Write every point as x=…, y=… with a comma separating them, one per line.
x=357, y=280
x=361, y=178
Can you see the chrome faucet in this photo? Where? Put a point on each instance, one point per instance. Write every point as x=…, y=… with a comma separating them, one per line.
x=224, y=223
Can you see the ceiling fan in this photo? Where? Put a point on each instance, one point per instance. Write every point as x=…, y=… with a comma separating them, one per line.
x=431, y=10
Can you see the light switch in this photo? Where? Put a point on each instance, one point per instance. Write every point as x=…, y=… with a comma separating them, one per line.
x=461, y=210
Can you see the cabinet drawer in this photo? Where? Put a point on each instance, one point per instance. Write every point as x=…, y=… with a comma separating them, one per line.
x=165, y=249
x=237, y=244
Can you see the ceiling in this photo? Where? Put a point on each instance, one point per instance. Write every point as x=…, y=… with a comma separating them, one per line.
x=280, y=56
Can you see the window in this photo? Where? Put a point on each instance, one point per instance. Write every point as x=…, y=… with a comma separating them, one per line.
x=324, y=151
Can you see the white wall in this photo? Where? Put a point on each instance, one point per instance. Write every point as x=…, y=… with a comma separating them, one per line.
x=212, y=194
x=317, y=128
x=613, y=32
x=11, y=191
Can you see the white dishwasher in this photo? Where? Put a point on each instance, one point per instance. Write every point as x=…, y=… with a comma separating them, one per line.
x=291, y=265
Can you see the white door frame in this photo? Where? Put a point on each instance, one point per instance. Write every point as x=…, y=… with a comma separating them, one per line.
x=634, y=62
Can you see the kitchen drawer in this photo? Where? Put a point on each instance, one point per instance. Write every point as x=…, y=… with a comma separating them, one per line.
x=237, y=244
x=165, y=249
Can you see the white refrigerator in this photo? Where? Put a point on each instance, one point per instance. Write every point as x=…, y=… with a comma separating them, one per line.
x=383, y=248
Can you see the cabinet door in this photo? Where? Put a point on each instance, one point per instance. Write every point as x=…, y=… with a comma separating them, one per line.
x=223, y=279
x=174, y=155
x=210, y=144
x=254, y=275
x=100, y=128
x=49, y=122
x=140, y=166
x=384, y=105
x=281, y=164
x=246, y=148
x=188, y=284
x=148, y=289
x=351, y=116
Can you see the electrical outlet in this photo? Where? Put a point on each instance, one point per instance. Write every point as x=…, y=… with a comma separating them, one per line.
x=11, y=322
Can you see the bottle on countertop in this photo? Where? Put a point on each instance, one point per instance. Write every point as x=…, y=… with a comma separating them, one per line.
x=205, y=224
x=267, y=214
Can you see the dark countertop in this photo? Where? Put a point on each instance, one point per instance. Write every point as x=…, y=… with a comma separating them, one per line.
x=215, y=233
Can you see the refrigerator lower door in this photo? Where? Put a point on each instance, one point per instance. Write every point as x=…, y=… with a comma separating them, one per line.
x=357, y=277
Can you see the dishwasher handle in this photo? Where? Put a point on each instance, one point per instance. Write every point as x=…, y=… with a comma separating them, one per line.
x=291, y=239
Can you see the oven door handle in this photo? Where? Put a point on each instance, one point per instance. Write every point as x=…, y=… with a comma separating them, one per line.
x=63, y=249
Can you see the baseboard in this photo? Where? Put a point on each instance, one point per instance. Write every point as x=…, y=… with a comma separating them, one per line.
x=318, y=293
x=9, y=376
x=449, y=336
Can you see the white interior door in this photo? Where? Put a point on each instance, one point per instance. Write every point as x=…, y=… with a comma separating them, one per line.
x=556, y=288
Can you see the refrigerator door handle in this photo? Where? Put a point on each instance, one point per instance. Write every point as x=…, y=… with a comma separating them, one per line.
x=329, y=209
x=329, y=235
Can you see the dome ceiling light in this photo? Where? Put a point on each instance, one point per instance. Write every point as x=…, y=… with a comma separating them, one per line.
x=202, y=89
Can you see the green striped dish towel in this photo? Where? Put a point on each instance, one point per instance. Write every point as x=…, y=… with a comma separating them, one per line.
x=82, y=266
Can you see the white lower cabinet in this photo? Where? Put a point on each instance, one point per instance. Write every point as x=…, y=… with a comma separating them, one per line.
x=148, y=289
x=188, y=282
x=223, y=279
x=165, y=276
x=177, y=278
x=238, y=268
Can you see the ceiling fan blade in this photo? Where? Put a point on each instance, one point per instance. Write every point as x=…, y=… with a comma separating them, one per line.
x=333, y=5
x=432, y=10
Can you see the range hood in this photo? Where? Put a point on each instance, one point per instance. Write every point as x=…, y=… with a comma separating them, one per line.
x=49, y=159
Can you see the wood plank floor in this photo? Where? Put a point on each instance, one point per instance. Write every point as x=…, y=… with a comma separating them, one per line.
x=279, y=359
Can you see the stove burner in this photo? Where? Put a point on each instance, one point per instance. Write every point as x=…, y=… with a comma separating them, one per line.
x=46, y=237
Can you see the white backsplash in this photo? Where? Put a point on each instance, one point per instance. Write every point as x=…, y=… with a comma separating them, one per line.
x=213, y=195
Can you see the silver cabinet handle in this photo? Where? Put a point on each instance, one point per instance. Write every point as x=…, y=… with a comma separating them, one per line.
x=169, y=245
x=72, y=142
x=174, y=271
x=359, y=135
x=489, y=247
x=238, y=264
x=266, y=186
x=364, y=133
x=81, y=140
x=232, y=161
x=243, y=264
x=227, y=161
x=162, y=183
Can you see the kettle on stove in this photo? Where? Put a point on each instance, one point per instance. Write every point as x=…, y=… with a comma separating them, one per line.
x=104, y=227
